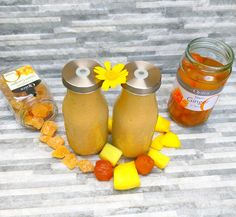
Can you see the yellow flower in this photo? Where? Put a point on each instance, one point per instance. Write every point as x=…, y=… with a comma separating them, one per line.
x=112, y=76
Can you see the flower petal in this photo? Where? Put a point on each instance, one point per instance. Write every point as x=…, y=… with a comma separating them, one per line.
x=114, y=83
x=118, y=67
x=107, y=65
x=124, y=72
x=101, y=77
x=99, y=70
x=106, y=85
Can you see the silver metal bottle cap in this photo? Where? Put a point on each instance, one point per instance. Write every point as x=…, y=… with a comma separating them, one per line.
x=79, y=76
x=143, y=77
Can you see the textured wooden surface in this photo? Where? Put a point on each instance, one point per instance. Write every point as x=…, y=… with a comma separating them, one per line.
x=201, y=178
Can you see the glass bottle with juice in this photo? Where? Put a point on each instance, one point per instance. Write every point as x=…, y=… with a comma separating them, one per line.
x=135, y=111
x=85, y=109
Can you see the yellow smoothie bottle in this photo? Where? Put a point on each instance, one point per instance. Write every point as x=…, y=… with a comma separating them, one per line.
x=135, y=111
x=84, y=108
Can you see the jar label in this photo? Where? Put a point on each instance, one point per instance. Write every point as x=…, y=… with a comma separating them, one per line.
x=192, y=98
x=22, y=79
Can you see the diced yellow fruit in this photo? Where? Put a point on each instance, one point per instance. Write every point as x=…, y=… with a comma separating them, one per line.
x=160, y=160
x=162, y=125
x=44, y=138
x=171, y=140
x=126, y=176
x=156, y=143
x=110, y=125
x=110, y=153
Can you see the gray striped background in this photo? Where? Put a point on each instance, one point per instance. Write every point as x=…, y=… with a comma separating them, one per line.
x=201, y=178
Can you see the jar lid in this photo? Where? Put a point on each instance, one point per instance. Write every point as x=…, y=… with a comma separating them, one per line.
x=143, y=77
x=79, y=76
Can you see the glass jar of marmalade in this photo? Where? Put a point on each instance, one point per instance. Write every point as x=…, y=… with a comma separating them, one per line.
x=203, y=71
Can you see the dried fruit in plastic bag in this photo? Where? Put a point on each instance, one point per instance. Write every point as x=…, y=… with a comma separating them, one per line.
x=49, y=128
x=36, y=122
x=40, y=110
x=28, y=96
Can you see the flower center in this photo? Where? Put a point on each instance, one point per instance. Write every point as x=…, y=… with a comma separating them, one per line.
x=111, y=75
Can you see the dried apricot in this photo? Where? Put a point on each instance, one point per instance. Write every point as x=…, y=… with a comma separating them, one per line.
x=70, y=161
x=49, y=128
x=60, y=152
x=44, y=138
x=144, y=164
x=103, y=170
x=85, y=166
x=40, y=110
x=55, y=142
x=37, y=122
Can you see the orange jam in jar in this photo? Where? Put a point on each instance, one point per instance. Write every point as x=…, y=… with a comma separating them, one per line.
x=203, y=71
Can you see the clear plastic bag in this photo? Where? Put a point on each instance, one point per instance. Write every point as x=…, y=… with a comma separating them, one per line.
x=28, y=96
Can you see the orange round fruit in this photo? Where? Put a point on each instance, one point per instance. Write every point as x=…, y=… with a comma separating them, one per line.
x=103, y=170
x=144, y=164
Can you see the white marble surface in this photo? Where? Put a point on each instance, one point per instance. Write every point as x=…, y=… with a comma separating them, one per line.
x=201, y=178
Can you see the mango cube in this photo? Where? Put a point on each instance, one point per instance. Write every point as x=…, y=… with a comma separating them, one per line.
x=156, y=143
x=171, y=140
x=110, y=153
x=110, y=125
x=160, y=160
x=126, y=176
x=162, y=125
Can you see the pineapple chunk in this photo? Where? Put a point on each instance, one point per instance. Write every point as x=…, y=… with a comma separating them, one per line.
x=162, y=125
x=126, y=176
x=110, y=125
x=156, y=143
x=160, y=160
x=110, y=153
x=171, y=140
